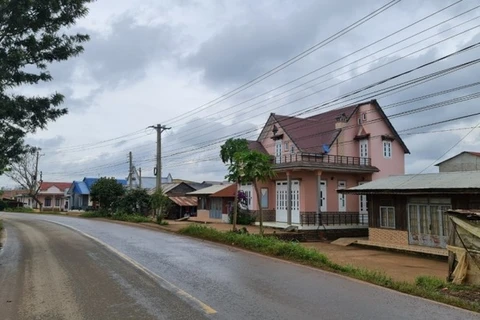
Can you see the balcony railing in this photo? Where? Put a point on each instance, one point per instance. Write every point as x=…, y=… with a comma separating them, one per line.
x=334, y=219
x=322, y=158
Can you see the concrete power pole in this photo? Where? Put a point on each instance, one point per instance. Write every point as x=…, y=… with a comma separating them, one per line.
x=140, y=178
x=159, y=129
x=130, y=169
x=36, y=168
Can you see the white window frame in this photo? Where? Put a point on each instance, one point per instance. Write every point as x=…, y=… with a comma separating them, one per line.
x=359, y=121
x=247, y=188
x=285, y=146
x=387, y=208
x=292, y=149
x=387, y=149
x=364, y=116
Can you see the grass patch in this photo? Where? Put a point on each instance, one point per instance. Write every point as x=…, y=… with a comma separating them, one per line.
x=163, y=223
x=426, y=287
x=131, y=218
x=94, y=214
x=30, y=210
x=21, y=210
x=121, y=217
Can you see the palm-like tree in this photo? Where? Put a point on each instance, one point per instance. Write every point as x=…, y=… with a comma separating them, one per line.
x=253, y=167
x=229, y=149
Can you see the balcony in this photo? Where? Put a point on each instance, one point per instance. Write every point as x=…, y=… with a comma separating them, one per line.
x=324, y=162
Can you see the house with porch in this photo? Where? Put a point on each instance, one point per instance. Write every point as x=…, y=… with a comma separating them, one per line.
x=411, y=210
x=52, y=195
x=214, y=203
x=314, y=156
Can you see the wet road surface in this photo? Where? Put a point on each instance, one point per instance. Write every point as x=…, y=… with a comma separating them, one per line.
x=102, y=270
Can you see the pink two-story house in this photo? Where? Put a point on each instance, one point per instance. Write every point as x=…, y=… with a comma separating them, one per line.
x=315, y=156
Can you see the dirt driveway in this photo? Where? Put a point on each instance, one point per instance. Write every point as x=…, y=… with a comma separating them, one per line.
x=401, y=267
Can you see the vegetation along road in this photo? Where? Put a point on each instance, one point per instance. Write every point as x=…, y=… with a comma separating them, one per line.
x=54, y=267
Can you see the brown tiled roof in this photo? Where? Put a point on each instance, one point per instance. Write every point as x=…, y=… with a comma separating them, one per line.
x=310, y=134
x=256, y=146
x=60, y=185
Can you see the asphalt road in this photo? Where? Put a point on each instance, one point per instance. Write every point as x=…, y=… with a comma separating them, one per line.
x=102, y=270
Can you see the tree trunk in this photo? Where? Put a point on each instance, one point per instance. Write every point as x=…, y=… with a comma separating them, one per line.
x=235, y=208
x=259, y=201
x=38, y=202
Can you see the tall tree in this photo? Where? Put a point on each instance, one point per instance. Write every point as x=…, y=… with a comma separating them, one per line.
x=24, y=172
x=107, y=191
x=255, y=167
x=32, y=35
x=227, y=153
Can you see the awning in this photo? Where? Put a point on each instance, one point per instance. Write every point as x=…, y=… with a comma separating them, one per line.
x=185, y=201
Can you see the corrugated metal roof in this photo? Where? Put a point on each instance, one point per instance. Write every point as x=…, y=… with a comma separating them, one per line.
x=430, y=181
x=80, y=187
x=185, y=201
x=209, y=190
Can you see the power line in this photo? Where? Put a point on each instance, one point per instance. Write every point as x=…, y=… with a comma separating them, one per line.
x=352, y=53
x=292, y=60
x=234, y=114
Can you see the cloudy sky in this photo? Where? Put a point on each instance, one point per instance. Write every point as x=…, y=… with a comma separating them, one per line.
x=153, y=61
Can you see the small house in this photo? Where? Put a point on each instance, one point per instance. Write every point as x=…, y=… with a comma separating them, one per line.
x=214, y=202
x=411, y=209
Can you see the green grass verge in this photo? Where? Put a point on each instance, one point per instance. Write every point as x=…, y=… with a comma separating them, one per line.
x=29, y=210
x=121, y=217
x=426, y=287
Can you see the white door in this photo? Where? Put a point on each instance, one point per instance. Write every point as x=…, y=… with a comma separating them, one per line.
x=281, y=201
x=362, y=202
x=247, y=189
x=323, y=196
x=278, y=151
x=342, y=200
x=363, y=151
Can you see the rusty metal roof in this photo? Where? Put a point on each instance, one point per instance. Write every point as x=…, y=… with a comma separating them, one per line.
x=185, y=201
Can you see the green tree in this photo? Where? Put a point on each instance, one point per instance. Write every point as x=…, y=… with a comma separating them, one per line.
x=135, y=201
x=32, y=35
x=254, y=167
x=107, y=191
x=161, y=203
x=227, y=153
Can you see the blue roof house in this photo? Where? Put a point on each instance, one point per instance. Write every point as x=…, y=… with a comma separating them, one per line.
x=79, y=193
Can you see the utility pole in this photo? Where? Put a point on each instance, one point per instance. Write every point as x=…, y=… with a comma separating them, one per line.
x=36, y=167
x=140, y=178
x=159, y=129
x=130, y=166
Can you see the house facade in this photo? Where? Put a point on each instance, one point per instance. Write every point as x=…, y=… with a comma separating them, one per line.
x=412, y=209
x=313, y=157
x=214, y=203
x=182, y=205
x=53, y=196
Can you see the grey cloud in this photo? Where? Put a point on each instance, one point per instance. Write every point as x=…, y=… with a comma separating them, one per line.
x=46, y=143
